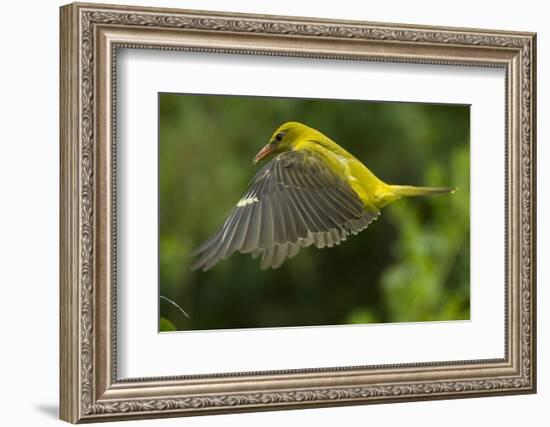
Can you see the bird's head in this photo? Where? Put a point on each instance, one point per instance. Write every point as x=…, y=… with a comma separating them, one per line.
x=283, y=139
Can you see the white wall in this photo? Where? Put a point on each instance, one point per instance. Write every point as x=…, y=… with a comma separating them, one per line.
x=29, y=170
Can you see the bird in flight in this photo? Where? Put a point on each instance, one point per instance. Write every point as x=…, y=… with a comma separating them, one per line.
x=310, y=192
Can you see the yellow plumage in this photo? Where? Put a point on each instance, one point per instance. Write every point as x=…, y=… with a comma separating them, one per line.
x=372, y=191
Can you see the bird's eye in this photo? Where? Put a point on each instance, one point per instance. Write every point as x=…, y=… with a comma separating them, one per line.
x=279, y=136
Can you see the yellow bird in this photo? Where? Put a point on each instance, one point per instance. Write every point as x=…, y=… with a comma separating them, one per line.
x=311, y=192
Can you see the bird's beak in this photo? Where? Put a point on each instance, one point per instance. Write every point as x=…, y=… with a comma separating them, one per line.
x=264, y=152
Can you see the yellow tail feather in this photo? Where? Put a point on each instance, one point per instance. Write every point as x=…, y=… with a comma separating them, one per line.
x=411, y=191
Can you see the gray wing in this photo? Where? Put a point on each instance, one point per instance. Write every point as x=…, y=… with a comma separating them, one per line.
x=293, y=202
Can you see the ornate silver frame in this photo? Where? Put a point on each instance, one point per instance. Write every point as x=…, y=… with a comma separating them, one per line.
x=90, y=36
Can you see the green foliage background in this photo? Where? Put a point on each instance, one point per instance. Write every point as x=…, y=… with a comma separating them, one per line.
x=412, y=264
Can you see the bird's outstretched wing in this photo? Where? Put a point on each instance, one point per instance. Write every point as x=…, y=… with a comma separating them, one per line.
x=294, y=201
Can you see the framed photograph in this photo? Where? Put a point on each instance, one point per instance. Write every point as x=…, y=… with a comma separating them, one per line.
x=267, y=212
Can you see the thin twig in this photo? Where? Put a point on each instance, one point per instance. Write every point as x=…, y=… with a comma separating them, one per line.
x=172, y=302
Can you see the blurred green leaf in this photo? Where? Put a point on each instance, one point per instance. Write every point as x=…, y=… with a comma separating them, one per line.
x=166, y=325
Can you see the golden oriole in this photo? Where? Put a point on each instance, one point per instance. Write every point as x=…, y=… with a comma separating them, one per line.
x=311, y=192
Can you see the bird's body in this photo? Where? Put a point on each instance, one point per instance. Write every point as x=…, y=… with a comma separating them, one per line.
x=313, y=192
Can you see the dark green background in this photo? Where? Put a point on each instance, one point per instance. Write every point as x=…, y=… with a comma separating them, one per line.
x=412, y=264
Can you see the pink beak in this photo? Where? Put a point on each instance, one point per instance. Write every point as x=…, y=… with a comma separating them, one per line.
x=264, y=152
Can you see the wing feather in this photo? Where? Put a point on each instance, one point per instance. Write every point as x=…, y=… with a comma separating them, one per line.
x=267, y=234
x=293, y=202
x=297, y=214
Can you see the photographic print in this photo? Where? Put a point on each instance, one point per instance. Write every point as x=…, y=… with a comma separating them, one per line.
x=278, y=212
